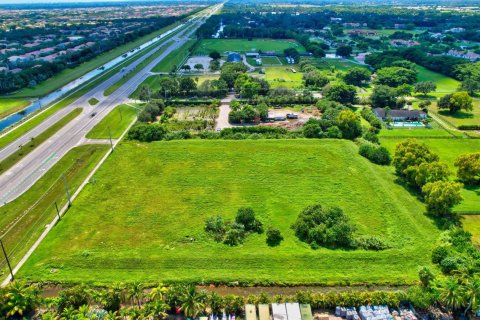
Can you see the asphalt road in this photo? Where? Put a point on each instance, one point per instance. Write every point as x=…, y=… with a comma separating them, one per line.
x=32, y=167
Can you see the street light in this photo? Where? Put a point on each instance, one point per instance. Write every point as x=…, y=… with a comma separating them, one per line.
x=8, y=261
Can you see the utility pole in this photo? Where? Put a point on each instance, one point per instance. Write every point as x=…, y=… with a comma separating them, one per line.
x=58, y=211
x=8, y=261
x=110, y=135
x=66, y=189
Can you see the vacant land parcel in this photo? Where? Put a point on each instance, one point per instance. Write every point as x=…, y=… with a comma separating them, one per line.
x=144, y=220
x=244, y=45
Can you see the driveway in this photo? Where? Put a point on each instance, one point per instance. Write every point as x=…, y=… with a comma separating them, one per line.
x=222, y=120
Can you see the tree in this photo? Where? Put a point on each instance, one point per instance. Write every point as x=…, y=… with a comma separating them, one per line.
x=356, y=76
x=198, y=66
x=18, y=300
x=315, y=78
x=395, y=76
x=411, y=153
x=455, y=102
x=471, y=86
x=451, y=294
x=340, y=92
x=215, y=55
x=192, y=302
x=186, y=67
x=187, y=85
x=312, y=130
x=145, y=93
x=442, y=196
x=426, y=276
x=425, y=87
x=404, y=90
x=426, y=172
x=349, y=124
x=472, y=292
x=384, y=96
x=246, y=217
x=344, y=51
x=214, y=65
x=468, y=168
x=274, y=237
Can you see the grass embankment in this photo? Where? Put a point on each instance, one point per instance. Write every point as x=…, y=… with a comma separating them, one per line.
x=244, y=45
x=174, y=59
x=69, y=75
x=24, y=219
x=35, y=142
x=117, y=120
x=448, y=150
x=11, y=106
x=149, y=199
x=139, y=67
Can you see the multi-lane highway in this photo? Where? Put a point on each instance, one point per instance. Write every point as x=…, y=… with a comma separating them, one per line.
x=32, y=167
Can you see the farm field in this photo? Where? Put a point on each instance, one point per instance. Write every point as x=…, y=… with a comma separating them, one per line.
x=69, y=75
x=283, y=76
x=448, y=150
x=243, y=45
x=146, y=213
x=117, y=120
x=11, y=106
x=461, y=117
x=24, y=219
x=444, y=84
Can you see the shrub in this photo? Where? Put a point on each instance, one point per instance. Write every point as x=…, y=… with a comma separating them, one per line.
x=370, y=243
x=147, y=132
x=235, y=235
x=246, y=217
x=328, y=227
x=216, y=226
x=312, y=130
x=440, y=253
x=334, y=132
x=374, y=153
x=274, y=237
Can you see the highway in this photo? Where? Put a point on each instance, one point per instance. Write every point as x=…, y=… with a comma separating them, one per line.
x=33, y=166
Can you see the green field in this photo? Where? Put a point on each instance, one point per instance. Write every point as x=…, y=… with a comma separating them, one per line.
x=175, y=59
x=10, y=106
x=117, y=120
x=24, y=219
x=338, y=64
x=448, y=150
x=134, y=223
x=69, y=75
x=460, y=117
x=244, y=45
x=417, y=132
x=471, y=223
x=7, y=163
x=283, y=76
x=444, y=83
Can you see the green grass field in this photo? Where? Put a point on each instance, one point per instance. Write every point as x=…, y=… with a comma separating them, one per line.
x=69, y=75
x=11, y=106
x=134, y=225
x=243, y=45
x=448, y=150
x=444, y=84
x=460, y=117
x=283, y=76
x=7, y=163
x=175, y=59
x=417, y=132
x=24, y=219
x=471, y=223
x=117, y=120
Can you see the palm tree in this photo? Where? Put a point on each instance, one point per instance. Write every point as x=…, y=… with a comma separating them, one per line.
x=135, y=293
x=69, y=313
x=20, y=299
x=472, y=292
x=216, y=303
x=192, y=302
x=156, y=309
x=451, y=294
x=157, y=293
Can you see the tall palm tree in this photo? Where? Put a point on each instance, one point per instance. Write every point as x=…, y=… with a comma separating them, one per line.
x=472, y=292
x=451, y=294
x=192, y=302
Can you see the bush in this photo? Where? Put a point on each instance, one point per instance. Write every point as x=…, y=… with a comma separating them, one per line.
x=370, y=243
x=274, y=237
x=312, y=130
x=147, y=132
x=246, y=217
x=328, y=227
x=368, y=115
x=440, y=253
x=374, y=153
x=235, y=235
x=216, y=226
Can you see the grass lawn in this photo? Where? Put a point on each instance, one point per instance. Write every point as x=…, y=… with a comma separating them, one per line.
x=448, y=150
x=444, y=83
x=117, y=120
x=7, y=163
x=10, y=106
x=69, y=75
x=460, y=117
x=271, y=61
x=93, y=101
x=175, y=59
x=24, y=219
x=243, y=45
x=471, y=223
x=135, y=224
x=283, y=76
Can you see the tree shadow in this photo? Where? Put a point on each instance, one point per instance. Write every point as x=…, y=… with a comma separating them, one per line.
x=457, y=115
x=425, y=97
